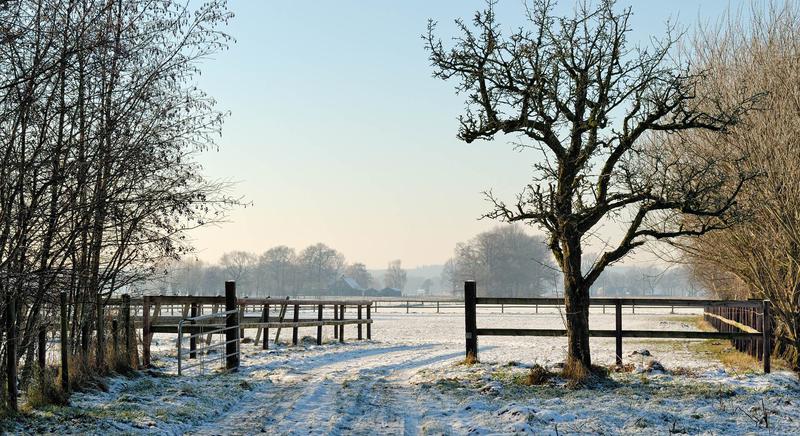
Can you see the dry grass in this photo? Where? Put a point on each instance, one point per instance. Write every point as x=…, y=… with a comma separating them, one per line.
x=625, y=367
x=45, y=389
x=726, y=353
x=538, y=375
x=576, y=373
x=471, y=359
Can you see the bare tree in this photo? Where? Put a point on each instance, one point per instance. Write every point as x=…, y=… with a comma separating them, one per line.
x=239, y=266
x=596, y=111
x=504, y=261
x=395, y=276
x=278, y=268
x=358, y=271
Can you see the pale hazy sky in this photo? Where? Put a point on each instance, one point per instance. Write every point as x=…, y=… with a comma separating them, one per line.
x=339, y=134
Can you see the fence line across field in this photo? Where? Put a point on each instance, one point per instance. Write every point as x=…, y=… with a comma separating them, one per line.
x=472, y=332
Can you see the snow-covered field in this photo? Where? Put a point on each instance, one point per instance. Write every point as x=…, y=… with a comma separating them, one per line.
x=408, y=380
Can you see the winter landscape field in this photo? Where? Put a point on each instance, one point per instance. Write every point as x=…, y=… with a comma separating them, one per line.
x=178, y=176
x=411, y=379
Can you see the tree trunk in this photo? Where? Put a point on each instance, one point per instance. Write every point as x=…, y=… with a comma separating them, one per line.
x=576, y=302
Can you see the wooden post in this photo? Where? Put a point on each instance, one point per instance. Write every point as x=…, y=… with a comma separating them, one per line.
x=341, y=326
x=360, y=335
x=85, y=342
x=146, y=331
x=242, y=308
x=369, y=325
x=470, y=319
x=100, y=354
x=11, y=352
x=265, y=317
x=115, y=338
x=126, y=320
x=42, y=347
x=192, y=335
x=335, y=318
x=437, y=307
x=407, y=304
x=502, y=308
x=767, y=336
x=231, y=327
x=319, y=327
x=64, y=342
x=295, y=318
x=618, y=329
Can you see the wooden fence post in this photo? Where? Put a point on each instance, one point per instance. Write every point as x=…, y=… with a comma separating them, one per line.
x=242, y=308
x=618, y=330
x=64, y=342
x=115, y=339
x=11, y=352
x=231, y=327
x=369, y=324
x=335, y=318
x=265, y=316
x=126, y=320
x=319, y=327
x=407, y=304
x=767, y=335
x=192, y=335
x=360, y=334
x=146, y=331
x=42, y=347
x=341, y=326
x=295, y=318
x=85, y=342
x=470, y=319
x=101, y=336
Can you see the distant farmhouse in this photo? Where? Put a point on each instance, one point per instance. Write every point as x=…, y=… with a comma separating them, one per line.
x=348, y=286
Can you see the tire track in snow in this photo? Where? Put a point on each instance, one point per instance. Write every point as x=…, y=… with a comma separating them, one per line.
x=336, y=392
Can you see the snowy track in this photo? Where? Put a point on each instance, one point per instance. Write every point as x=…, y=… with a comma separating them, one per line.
x=334, y=391
x=408, y=382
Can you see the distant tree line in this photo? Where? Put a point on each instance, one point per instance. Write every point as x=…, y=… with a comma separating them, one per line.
x=278, y=271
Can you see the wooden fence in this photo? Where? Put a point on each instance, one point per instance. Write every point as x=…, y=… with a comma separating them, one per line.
x=749, y=320
x=121, y=317
x=472, y=332
x=254, y=313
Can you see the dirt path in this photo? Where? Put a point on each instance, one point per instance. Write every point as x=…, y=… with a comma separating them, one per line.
x=338, y=391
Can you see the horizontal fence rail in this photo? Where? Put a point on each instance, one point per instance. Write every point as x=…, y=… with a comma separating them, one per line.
x=472, y=332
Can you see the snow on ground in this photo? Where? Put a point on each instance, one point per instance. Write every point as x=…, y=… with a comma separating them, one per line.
x=408, y=380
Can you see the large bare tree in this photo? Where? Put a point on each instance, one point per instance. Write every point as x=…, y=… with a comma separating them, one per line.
x=598, y=111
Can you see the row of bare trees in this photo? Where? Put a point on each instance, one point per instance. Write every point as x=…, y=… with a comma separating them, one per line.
x=761, y=257
x=99, y=123
x=280, y=270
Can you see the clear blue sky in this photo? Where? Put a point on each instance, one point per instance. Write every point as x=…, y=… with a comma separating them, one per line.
x=339, y=134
